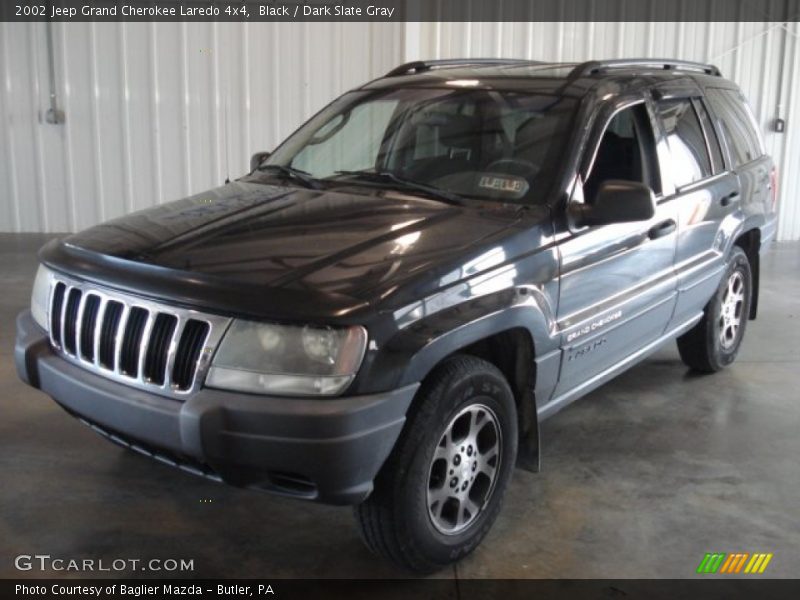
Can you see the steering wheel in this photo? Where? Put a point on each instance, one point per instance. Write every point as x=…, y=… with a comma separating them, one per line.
x=514, y=166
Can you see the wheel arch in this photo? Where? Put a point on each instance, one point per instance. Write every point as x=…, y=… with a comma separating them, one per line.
x=513, y=352
x=511, y=340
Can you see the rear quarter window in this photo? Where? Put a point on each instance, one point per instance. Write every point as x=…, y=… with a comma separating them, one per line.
x=737, y=124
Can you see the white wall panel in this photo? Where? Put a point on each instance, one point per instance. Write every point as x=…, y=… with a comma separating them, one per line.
x=155, y=112
x=748, y=53
x=158, y=111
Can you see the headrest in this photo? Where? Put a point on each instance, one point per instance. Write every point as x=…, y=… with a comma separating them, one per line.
x=531, y=131
x=453, y=128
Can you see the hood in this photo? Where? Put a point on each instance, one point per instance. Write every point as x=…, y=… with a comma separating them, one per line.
x=341, y=247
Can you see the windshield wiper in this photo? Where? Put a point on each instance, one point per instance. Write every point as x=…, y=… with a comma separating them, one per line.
x=389, y=178
x=303, y=177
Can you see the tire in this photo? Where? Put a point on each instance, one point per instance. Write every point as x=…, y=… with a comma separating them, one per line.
x=412, y=516
x=714, y=342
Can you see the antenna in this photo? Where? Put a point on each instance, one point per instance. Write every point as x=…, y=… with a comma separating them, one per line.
x=225, y=133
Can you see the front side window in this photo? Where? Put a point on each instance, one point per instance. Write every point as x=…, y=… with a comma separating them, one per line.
x=687, y=143
x=485, y=144
x=625, y=152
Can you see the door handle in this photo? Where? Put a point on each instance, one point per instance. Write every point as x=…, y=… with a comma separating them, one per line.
x=726, y=200
x=662, y=229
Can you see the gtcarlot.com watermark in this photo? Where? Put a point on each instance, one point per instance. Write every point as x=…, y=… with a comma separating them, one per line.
x=46, y=562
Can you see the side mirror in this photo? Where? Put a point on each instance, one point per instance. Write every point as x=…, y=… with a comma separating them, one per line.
x=617, y=201
x=257, y=159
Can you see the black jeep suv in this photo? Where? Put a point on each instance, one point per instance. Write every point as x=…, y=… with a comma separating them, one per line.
x=383, y=311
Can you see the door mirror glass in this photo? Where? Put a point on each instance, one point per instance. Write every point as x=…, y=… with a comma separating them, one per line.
x=616, y=201
x=257, y=159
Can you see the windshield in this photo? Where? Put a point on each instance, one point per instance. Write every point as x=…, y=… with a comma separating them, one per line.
x=504, y=146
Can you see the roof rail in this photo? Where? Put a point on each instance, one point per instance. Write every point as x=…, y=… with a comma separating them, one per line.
x=595, y=66
x=420, y=66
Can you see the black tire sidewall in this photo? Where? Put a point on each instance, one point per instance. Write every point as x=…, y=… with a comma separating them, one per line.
x=721, y=357
x=481, y=386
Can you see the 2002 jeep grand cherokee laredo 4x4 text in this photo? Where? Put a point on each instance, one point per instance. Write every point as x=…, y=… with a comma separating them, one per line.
x=385, y=308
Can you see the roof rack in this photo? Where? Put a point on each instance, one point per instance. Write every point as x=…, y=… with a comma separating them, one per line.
x=420, y=66
x=596, y=66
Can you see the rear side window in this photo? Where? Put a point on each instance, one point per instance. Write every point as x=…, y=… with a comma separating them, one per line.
x=687, y=144
x=711, y=137
x=738, y=125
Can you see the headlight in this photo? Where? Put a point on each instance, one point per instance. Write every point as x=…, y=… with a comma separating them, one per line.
x=41, y=297
x=288, y=360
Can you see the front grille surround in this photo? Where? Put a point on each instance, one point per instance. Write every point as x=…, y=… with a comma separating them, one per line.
x=146, y=344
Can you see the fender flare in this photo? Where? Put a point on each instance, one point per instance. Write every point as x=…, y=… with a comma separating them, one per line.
x=431, y=341
x=532, y=313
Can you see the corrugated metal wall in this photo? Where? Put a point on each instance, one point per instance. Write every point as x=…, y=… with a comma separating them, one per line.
x=749, y=53
x=158, y=111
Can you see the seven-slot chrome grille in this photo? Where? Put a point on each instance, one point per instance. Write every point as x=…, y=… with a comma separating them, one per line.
x=139, y=342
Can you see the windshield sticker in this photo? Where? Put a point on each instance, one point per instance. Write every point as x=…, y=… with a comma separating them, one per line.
x=516, y=186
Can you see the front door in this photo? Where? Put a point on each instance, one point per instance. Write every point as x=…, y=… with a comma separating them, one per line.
x=618, y=285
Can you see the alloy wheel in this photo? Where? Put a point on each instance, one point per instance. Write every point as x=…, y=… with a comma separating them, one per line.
x=464, y=469
x=732, y=306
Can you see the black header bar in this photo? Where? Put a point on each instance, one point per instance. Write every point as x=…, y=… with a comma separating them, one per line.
x=400, y=10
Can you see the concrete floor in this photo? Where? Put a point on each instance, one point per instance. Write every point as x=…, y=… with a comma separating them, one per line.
x=640, y=479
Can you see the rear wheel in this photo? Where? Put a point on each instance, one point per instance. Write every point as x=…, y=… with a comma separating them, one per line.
x=714, y=342
x=442, y=487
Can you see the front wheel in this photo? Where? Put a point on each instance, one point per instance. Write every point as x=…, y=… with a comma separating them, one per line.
x=714, y=342
x=441, y=489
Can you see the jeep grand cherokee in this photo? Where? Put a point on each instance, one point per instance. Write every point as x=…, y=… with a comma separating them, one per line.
x=385, y=308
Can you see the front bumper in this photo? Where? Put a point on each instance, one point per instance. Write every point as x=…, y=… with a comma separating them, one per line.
x=328, y=450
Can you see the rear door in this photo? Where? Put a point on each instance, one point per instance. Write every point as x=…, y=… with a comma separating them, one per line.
x=618, y=286
x=706, y=194
x=746, y=154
